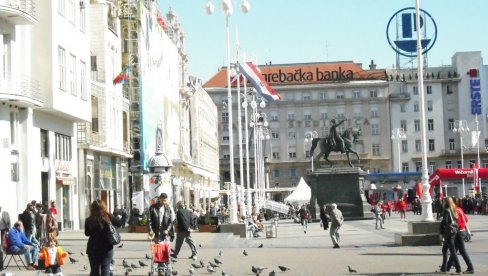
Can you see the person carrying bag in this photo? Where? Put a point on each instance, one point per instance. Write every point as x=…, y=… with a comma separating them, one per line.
x=448, y=230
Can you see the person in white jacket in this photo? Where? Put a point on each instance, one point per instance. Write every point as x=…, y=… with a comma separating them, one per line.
x=336, y=220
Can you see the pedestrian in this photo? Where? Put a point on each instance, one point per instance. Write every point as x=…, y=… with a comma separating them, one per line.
x=4, y=225
x=161, y=219
x=324, y=217
x=449, y=220
x=19, y=243
x=29, y=222
x=402, y=208
x=378, y=213
x=304, y=216
x=336, y=219
x=462, y=221
x=99, y=249
x=186, y=222
x=53, y=255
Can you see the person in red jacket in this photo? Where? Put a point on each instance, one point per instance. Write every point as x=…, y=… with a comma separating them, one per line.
x=402, y=208
x=53, y=257
x=462, y=221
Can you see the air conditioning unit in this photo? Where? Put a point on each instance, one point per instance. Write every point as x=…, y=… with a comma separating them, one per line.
x=82, y=5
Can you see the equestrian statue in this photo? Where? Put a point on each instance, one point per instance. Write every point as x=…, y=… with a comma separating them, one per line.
x=335, y=142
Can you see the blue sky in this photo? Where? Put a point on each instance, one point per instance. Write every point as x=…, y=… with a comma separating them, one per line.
x=295, y=31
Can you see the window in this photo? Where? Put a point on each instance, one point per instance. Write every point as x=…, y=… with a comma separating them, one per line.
x=415, y=90
x=416, y=107
x=72, y=75
x=450, y=105
x=429, y=90
x=405, y=167
x=323, y=95
x=430, y=107
x=293, y=172
x=82, y=20
x=291, y=135
x=14, y=127
x=62, y=67
x=403, y=125
x=375, y=129
x=416, y=124
x=448, y=89
x=339, y=95
x=291, y=116
x=376, y=149
x=404, y=146
x=432, y=166
x=340, y=116
x=450, y=124
x=452, y=145
x=306, y=97
x=71, y=11
x=307, y=154
x=418, y=146
x=431, y=145
x=274, y=116
x=276, y=155
x=373, y=94
x=403, y=108
x=94, y=108
x=430, y=124
x=83, y=80
x=403, y=90
x=276, y=173
x=418, y=166
x=225, y=138
x=61, y=7
x=226, y=156
x=44, y=144
x=373, y=113
x=225, y=116
x=448, y=164
x=459, y=164
x=307, y=116
x=376, y=170
x=484, y=163
x=14, y=166
x=63, y=147
x=323, y=114
x=356, y=94
x=292, y=155
x=275, y=135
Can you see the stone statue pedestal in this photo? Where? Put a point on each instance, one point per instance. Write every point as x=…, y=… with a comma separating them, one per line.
x=342, y=186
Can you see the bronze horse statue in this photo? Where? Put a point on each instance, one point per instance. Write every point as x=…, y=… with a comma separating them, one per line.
x=349, y=136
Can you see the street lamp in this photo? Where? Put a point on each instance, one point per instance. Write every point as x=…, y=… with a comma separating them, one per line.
x=227, y=9
x=309, y=136
x=461, y=127
x=398, y=134
x=259, y=123
x=426, y=198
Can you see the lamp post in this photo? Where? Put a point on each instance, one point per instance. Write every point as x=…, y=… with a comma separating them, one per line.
x=461, y=127
x=426, y=198
x=259, y=123
x=309, y=136
x=227, y=9
x=398, y=134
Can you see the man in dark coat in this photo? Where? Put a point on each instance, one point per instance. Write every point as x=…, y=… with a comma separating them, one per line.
x=160, y=220
x=4, y=224
x=185, y=225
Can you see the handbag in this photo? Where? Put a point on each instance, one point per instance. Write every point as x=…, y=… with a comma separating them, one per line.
x=113, y=234
x=451, y=229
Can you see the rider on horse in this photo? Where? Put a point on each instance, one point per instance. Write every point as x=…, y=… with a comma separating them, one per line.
x=334, y=137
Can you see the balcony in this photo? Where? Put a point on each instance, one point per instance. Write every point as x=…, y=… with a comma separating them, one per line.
x=20, y=89
x=18, y=12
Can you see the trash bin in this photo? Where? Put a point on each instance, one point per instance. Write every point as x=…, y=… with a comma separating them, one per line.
x=271, y=231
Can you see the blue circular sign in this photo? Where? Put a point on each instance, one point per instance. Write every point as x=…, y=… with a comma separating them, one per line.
x=402, y=28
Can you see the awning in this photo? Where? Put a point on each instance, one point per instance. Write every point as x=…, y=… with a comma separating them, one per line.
x=66, y=181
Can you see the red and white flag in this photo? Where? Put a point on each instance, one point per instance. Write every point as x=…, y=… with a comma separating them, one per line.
x=251, y=72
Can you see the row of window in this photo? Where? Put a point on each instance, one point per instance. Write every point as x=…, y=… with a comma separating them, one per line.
x=71, y=78
x=432, y=166
x=68, y=9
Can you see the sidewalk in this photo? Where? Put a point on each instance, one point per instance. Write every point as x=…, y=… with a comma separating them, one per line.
x=369, y=251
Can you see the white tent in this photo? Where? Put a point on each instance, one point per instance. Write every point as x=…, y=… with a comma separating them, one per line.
x=302, y=193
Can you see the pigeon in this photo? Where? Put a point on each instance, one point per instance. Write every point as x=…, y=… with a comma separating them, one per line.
x=148, y=257
x=217, y=261
x=225, y=273
x=69, y=252
x=352, y=270
x=221, y=253
x=272, y=273
x=82, y=254
x=143, y=264
x=121, y=245
x=244, y=252
x=258, y=269
x=200, y=245
x=283, y=268
x=125, y=263
x=213, y=265
x=210, y=269
x=202, y=263
x=260, y=246
x=134, y=266
x=174, y=272
x=196, y=266
x=128, y=271
x=112, y=261
x=191, y=270
x=72, y=260
x=85, y=267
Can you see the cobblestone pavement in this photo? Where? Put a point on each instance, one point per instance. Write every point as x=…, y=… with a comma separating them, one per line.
x=369, y=251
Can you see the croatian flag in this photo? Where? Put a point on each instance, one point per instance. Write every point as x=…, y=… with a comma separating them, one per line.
x=251, y=72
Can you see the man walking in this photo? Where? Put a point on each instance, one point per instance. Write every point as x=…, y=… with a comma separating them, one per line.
x=336, y=222
x=185, y=225
x=160, y=219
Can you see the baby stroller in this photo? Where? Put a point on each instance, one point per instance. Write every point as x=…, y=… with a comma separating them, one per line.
x=161, y=259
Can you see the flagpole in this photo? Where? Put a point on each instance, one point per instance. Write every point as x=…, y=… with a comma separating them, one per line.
x=242, y=203
x=479, y=161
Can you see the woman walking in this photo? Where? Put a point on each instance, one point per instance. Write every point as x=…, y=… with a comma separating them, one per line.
x=449, y=220
x=99, y=249
x=462, y=221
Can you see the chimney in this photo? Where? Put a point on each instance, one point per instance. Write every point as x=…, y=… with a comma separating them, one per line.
x=372, y=66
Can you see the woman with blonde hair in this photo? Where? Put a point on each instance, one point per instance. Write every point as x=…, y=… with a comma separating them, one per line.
x=449, y=221
x=99, y=249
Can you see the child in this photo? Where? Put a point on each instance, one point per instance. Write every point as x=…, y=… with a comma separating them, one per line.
x=53, y=257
